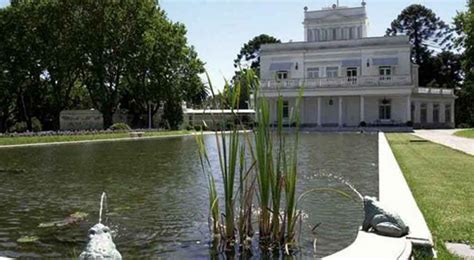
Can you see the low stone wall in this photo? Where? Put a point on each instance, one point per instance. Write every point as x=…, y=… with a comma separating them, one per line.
x=81, y=120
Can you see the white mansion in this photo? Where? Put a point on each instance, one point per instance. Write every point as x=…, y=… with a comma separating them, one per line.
x=350, y=78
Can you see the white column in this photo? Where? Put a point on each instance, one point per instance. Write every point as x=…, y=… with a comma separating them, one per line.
x=319, y=111
x=340, y=112
x=452, y=112
x=429, y=111
x=409, y=108
x=362, y=107
x=417, y=112
x=442, y=113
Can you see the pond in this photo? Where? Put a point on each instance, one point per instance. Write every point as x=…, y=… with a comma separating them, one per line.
x=157, y=195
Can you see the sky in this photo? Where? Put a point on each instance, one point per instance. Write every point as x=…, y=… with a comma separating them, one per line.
x=219, y=28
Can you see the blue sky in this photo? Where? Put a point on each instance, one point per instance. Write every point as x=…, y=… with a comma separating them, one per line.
x=219, y=28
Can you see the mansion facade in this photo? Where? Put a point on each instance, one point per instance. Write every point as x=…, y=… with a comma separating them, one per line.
x=350, y=79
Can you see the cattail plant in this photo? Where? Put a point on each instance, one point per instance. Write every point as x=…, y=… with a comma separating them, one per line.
x=262, y=169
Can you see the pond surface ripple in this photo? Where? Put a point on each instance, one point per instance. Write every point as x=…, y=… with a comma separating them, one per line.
x=157, y=195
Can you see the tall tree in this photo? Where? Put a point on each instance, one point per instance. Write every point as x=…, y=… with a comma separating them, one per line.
x=426, y=32
x=464, y=23
x=446, y=70
x=110, y=29
x=249, y=57
x=57, y=55
x=63, y=59
x=6, y=86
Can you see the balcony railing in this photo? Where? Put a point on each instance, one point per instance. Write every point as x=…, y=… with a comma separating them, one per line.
x=362, y=81
x=434, y=91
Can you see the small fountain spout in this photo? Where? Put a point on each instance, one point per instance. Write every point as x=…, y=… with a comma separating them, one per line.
x=102, y=199
x=101, y=244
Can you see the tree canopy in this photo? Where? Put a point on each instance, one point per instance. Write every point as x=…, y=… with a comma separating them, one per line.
x=249, y=57
x=427, y=33
x=464, y=24
x=107, y=55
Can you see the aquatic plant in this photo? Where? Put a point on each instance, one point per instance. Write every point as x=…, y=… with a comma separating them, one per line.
x=263, y=168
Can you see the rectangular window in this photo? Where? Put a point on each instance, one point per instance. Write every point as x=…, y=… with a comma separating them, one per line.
x=423, y=113
x=334, y=34
x=351, y=33
x=332, y=72
x=447, y=113
x=435, y=113
x=352, y=75
x=285, y=109
x=313, y=73
x=384, y=109
x=359, y=32
x=385, y=73
x=316, y=35
x=282, y=75
x=310, y=35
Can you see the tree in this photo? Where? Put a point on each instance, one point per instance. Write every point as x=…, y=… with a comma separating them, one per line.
x=249, y=57
x=172, y=113
x=110, y=30
x=446, y=70
x=426, y=32
x=63, y=59
x=57, y=55
x=464, y=24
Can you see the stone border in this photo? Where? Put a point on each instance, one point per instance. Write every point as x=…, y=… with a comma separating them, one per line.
x=113, y=139
x=97, y=140
x=393, y=191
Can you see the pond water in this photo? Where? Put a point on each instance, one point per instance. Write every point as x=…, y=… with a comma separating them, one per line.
x=157, y=195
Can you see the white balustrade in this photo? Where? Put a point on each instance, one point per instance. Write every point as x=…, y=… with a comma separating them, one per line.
x=363, y=81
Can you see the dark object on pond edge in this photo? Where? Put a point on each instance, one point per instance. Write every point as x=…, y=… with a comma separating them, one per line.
x=382, y=221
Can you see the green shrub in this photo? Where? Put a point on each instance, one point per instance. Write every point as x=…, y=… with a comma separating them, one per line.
x=200, y=127
x=463, y=125
x=172, y=114
x=36, y=125
x=19, y=127
x=363, y=124
x=410, y=123
x=120, y=127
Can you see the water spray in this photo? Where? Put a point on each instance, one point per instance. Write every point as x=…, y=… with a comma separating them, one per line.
x=102, y=199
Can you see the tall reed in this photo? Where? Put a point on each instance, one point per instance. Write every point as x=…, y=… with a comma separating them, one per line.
x=261, y=168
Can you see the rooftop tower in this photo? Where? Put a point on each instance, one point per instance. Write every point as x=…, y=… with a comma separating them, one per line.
x=335, y=23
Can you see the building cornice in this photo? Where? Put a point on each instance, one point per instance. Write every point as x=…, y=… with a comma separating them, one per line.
x=386, y=41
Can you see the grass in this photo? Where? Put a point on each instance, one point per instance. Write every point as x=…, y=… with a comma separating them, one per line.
x=441, y=180
x=83, y=137
x=468, y=133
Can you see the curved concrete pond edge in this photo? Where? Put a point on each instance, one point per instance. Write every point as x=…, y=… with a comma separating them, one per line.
x=393, y=191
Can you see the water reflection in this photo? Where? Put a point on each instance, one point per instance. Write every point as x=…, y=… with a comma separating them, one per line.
x=157, y=195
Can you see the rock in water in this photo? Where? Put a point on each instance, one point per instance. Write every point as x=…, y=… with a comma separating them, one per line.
x=381, y=220
x=100, y=245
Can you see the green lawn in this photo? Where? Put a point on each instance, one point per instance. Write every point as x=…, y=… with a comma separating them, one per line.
x=442, y=181
x=468, y=133
x=71, y=138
